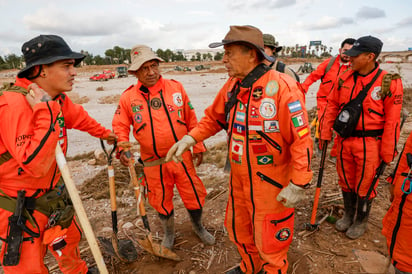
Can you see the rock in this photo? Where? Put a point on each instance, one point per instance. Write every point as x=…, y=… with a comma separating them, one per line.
x=92, y=162
x=99, y=155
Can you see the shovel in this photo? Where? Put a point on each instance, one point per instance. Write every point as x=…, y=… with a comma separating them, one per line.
x=147, y=243
x=80, y=211
x=122, y=249
x=313, y=225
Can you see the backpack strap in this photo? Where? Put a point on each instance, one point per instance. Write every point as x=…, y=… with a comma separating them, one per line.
x=12, y=88
x=386, y=84
x=280, y=66
x=329, y=66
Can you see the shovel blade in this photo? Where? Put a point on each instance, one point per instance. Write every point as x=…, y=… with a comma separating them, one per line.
x=122, y=249
x=158, y=250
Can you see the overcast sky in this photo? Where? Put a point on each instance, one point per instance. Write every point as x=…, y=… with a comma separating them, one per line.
x=96, y=26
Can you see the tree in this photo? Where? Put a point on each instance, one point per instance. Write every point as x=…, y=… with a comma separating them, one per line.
x=13, y=61
x=198, y=56
x=218, y=56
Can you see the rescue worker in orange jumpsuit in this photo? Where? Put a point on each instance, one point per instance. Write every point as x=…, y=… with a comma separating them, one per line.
x=374, y=138
x=397, y=223
x=270, y=151
x=161, y=113
x=328, y=72
x=271, y=49
x=31, y=127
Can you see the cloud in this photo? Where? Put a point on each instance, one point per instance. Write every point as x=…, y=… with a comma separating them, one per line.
x=258, y=4
x=405, y=22
x=328, y=23
x=274, y=4
x=370, y=13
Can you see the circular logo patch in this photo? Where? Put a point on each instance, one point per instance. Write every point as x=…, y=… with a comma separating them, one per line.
x=177, y=99
x=272, y=88
x=156, y=103
x=375, y=93
x=138, y=118
x=267, y=108
x=283, y=234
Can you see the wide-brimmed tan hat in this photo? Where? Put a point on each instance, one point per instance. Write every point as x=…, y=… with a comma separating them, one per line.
x=244, y=34
x=140, y=54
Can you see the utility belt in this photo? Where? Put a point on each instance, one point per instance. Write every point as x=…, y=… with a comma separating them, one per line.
x=55, y=204
x=367, y=133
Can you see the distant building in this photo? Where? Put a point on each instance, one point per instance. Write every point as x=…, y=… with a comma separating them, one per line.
x=192, y=53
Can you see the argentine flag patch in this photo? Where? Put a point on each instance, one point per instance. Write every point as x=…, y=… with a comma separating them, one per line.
x=294, y=106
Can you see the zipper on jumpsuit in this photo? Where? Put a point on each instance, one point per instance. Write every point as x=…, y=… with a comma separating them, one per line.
x=176, y=139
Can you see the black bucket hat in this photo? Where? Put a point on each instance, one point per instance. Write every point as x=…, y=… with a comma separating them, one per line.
x=46, y=49
x=244, y=34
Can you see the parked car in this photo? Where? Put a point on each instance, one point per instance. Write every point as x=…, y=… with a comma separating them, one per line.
x=121, y=71
x=110, y=74
x=99, y=77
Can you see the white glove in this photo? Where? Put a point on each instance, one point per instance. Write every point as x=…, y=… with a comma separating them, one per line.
x=176, y=151
x=291, y=195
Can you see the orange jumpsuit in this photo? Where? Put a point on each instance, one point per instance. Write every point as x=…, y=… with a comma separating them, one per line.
x=328, y=80
x=397, y=223
x=269, y=146
x=160, y=116
x=377, y=131
x=30, y=136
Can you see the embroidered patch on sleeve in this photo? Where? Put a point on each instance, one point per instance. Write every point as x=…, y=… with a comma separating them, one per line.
x=303, y=132
x=298, y=120
x=294, y=106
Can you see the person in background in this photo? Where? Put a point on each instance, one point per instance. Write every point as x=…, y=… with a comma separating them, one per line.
x=271, y=49
x=161, y=113
x=397, y=223
x=328, y=72
x=270, y=151
x=374, y=136
x=33, y=124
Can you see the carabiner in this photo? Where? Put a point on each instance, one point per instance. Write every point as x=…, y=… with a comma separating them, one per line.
x=409, y=179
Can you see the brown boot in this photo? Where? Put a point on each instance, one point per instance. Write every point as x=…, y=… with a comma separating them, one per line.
x=360, y=224
x=349, y=201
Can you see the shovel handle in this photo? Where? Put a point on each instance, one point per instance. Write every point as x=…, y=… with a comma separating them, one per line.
x=81, y=213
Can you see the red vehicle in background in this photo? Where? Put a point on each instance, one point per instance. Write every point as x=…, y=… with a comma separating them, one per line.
x=99, y=77
x=110, y=74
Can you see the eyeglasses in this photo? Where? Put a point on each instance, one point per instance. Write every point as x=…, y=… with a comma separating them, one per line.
x=153, y=67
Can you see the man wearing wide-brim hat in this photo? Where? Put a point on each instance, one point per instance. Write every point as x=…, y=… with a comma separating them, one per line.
x=160, y=113
x=33, y=124
x=271, y=48
x=270, y=149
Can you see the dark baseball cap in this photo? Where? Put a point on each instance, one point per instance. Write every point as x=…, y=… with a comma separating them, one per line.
x=46, y=49
x=365, y=44
x=244, y=34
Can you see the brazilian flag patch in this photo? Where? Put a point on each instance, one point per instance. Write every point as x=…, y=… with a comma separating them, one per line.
x=265, y=160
